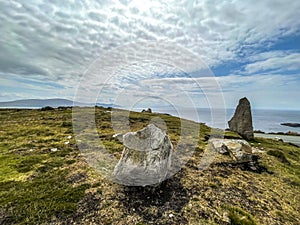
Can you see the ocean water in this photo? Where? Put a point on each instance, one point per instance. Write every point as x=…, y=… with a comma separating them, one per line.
x=264, y=120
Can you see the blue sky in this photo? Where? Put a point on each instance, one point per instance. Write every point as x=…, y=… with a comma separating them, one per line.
x=53, y=49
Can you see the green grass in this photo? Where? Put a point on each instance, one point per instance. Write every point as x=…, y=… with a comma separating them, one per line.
x=238, y=216
x=33, y=187
x=39, y=200
x=279, y=155
x=39, y=186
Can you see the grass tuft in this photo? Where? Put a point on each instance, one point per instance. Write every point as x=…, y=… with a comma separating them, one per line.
x=238, y=216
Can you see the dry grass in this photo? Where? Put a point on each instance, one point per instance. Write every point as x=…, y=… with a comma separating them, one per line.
x=40, y=186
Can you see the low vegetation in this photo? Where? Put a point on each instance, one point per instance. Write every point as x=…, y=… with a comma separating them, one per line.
x=44, y=178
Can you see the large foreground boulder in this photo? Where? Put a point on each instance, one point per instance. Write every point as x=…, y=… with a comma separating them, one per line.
x=146, y=157
x=241, y=122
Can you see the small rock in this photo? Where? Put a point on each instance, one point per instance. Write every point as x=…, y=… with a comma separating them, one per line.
x=253, y=168
x=257, y=150
x=171, y=215
x=53, y=149
x=32, y=176
x=118, y=136
x=69, y=137
x=67, y=142
x=278, y=139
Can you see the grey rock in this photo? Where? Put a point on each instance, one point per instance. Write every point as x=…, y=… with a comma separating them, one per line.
x=241, y=122
x=238, y=149
x=147, y=110
x=118, y=136
x=146, y=157
x=218, y=145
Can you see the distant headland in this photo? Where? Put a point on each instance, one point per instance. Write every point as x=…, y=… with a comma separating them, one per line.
x=291, y=124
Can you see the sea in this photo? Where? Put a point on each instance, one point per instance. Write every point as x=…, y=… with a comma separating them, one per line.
x=265, y=120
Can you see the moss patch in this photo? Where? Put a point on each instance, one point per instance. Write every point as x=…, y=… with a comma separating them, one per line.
x=238, y=216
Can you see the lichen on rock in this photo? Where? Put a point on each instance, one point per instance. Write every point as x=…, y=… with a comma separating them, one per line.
x=146, y=157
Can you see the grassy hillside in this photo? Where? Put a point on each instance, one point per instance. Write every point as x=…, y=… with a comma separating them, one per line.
x=45, y=180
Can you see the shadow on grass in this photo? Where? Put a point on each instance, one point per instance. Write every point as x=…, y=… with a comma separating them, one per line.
x=157, y=205
x=252, y=166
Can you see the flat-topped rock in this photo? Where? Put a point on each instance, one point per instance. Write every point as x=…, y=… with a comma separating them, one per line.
x=146, y=157
x=149, y=138
x=238, y=149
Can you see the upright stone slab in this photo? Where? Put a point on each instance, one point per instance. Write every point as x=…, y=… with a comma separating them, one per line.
x=146, y=157
x=241, y=122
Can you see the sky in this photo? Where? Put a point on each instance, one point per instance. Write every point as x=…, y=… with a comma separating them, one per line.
x=187, y=53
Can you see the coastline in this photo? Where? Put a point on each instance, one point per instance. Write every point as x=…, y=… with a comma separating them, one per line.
x=287, y=135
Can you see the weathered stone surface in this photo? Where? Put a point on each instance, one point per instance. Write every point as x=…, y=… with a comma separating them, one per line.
x=238, y=149
x=241, y=122
x=146, y=157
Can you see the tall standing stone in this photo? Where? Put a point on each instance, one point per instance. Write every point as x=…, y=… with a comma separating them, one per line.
x=146, y=157
x=241, y=122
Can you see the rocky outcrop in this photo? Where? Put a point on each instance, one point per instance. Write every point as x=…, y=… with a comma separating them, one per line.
x=147, y=110
x=241, y=122
x=146, y=157
x=238, y=149
x=242, y=154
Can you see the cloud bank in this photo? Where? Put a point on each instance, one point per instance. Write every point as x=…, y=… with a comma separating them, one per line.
x=46, y=46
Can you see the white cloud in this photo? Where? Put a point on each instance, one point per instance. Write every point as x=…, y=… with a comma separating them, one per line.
x=58, y=38
x=55, y=41
x=278, y=61
x=265, y=91
x=268, y=54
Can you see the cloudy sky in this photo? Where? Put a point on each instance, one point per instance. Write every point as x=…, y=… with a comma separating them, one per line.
x=144, y=52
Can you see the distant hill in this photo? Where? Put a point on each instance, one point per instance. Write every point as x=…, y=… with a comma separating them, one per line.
x=37, y=103
x=54, y=102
